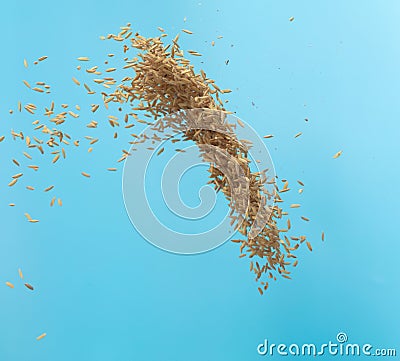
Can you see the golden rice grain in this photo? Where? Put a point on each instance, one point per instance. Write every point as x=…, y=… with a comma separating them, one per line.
x=305, y=219
x=83, y=58
x=160, y=151
x=338, y=154
x=56, y=158
x=12, y=204
x=12, y=182
x=26, y=83
x=76, y=81
x=25, y=63
x=9, y=284
x=268, y=136
x=309, y=245
x=187, y=31
x=59, y=201
x=295, y=205
x=48, y=189
x=42, y=58
x=43, y=335
x=30, y=188
x=323, y=236
x=112, y=169
x=87, y=175
x=52, y=201
x=20, y=273
x=28, y=216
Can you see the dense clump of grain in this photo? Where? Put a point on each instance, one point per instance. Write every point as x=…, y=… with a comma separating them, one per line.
x=163, y=83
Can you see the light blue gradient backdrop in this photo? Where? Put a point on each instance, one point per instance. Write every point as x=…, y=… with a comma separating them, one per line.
x=104, y=294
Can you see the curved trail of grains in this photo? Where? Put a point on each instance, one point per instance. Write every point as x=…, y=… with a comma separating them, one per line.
x=164, y=83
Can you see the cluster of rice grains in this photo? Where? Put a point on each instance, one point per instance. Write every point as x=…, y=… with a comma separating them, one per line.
x=160, y=84
x=164, y=85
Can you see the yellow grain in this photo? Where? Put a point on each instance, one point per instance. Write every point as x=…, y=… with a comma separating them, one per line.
x=12, y=182
x=76, y=81
x=56, y=158
x=338, y=154
x=43, y=335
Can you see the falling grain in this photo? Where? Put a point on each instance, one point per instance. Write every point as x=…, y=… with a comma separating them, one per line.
x=12, y=182
x=9, y=284
x=76, y=81
x=43, y=335
x=27, y=285
x=338, y=154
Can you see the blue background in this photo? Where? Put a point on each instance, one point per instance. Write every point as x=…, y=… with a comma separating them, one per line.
x=102, y=292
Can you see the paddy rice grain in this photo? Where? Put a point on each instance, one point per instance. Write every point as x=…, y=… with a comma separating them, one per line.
x=27, y=285
x=43, y=335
